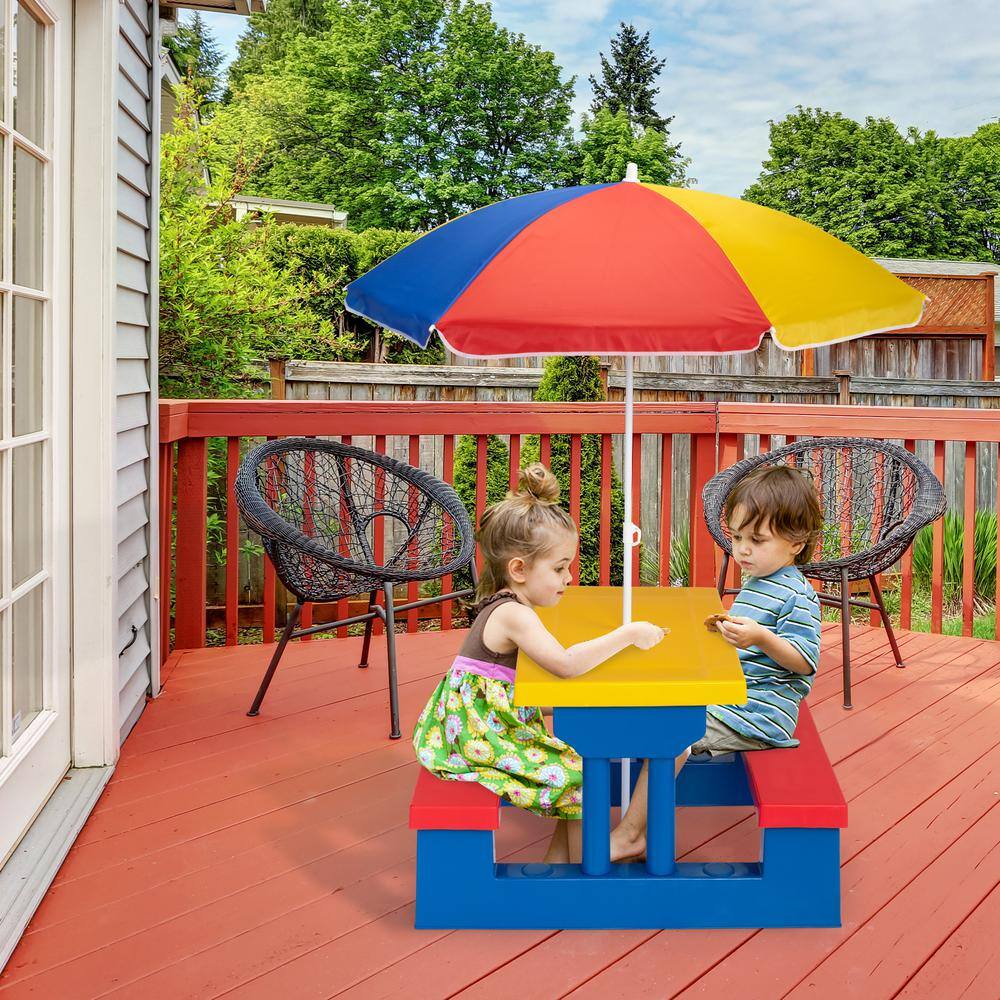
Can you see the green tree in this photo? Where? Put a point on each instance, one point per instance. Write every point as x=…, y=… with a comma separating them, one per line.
x=406, y=114
x=269, y=35
x=224, y=299
x=610, y=142
x=628, y=80
x=884, y=192
x=197, y=55
x=578, y=379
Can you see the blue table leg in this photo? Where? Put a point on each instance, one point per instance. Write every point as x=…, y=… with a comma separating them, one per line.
x=596, y=815
x=660, y=813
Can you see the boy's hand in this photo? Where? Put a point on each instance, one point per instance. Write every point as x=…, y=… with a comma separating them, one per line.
x=645, y=635
x=741, y=632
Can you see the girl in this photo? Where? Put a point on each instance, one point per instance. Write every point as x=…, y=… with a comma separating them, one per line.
x=469, y=729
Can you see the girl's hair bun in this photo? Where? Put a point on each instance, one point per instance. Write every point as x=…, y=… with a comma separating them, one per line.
x=538, y=482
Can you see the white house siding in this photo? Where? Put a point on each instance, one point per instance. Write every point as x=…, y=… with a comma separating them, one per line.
x=135, y=286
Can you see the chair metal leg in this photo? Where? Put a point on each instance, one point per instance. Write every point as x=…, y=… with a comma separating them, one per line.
x=845, y=624
x=293, y=620
x=721, y=586
x=368, y=631
x=390, y=648
x=877, y=594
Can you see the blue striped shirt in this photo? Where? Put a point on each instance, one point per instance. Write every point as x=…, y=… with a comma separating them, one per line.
x=784, y=603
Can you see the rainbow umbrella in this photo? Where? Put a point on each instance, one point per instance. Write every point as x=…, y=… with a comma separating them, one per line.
x=630, y=268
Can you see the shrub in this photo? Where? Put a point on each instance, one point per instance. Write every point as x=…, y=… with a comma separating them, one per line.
x=222, y=296
x=328, y=260
x=466, y=476
x=984, y=561
x=680, y=561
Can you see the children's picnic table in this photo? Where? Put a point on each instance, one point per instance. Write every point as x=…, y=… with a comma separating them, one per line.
x=648, y=704
x=640, y=703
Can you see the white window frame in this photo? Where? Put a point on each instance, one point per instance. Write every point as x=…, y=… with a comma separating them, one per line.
x=41, y=753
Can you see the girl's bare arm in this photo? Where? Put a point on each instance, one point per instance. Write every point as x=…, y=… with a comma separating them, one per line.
x=522, y=627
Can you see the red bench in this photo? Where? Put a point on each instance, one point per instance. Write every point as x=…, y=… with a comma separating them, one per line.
x=793, y=788
x=452, y=805
x=796, y=786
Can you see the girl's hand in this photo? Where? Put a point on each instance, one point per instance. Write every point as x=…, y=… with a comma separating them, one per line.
x=645, y=635
x=741, y=632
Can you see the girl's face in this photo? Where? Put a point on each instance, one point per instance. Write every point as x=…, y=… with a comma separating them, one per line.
x=758, y=550
x=542, y=581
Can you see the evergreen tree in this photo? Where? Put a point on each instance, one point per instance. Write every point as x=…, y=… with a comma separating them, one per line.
x=610, y=142
x=628, y=80
x=197, y=55
x=269, y=35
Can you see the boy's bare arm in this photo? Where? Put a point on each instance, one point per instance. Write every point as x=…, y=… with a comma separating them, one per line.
x=745, y=632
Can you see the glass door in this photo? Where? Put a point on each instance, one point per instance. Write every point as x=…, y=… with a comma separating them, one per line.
x=34, y=529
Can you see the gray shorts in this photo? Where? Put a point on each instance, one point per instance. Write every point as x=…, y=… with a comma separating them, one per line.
x=720, y=739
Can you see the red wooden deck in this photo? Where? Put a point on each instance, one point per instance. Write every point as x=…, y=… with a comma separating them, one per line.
x=269, y=857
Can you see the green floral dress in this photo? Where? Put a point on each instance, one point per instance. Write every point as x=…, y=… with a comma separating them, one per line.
x=470, y=730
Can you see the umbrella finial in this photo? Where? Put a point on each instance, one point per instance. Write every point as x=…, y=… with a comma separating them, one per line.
x=631, y=172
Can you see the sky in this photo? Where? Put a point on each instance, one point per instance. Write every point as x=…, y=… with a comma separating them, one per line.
x=734, y=65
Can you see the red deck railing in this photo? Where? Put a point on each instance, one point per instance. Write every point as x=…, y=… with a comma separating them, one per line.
x=718, y=435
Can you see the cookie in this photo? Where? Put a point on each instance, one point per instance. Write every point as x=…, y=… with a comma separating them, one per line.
x=712, y=621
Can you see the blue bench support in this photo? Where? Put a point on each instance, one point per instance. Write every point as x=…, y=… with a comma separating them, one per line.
x=795, y=884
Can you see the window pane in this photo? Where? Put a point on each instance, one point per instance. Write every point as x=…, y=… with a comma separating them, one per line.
x=29, y=373
x=28, y=643
x=26, y=513
x=29, y=221
x=29, y=76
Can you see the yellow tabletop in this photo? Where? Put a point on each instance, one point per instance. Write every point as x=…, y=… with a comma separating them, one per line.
x=691, y=666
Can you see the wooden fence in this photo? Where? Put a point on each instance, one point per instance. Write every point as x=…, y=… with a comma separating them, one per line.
x=681, y=447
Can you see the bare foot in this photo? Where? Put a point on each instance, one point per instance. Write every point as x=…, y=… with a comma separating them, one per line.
x=627, y=845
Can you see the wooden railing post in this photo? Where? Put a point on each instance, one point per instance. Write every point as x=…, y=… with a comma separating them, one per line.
x=989, y=327
x=702, y=568
x=844, y=378
x=166, y=545
x=276, y=369
x=192, y=561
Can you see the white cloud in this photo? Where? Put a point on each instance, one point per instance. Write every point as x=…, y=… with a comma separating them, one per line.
x=735, y=64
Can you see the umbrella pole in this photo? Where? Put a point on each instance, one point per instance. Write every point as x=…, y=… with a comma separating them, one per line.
x=629, y=539
x=630, y=533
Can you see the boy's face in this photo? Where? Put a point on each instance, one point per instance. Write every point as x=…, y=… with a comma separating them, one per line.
x=758, y=550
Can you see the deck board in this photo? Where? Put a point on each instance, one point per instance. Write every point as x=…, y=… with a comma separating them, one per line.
x=266, y=857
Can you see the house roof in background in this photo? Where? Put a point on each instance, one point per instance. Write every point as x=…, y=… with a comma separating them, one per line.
x=905, y=265
x=169, y=70
x=301, y=211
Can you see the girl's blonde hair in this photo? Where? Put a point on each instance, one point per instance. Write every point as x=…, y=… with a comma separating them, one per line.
x=521, y=525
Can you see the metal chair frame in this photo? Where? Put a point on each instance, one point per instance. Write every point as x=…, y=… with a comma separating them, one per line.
x=895, y=536
x=278, y=535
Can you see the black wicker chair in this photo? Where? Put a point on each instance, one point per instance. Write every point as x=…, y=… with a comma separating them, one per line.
x=338, y=521
x=875, y=497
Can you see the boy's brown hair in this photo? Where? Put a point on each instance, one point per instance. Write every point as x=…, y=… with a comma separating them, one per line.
x=782, y=498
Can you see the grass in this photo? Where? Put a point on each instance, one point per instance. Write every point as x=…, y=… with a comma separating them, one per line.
x=983, y=621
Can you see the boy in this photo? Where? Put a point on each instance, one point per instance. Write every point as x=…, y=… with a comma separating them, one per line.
x=774, y=520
